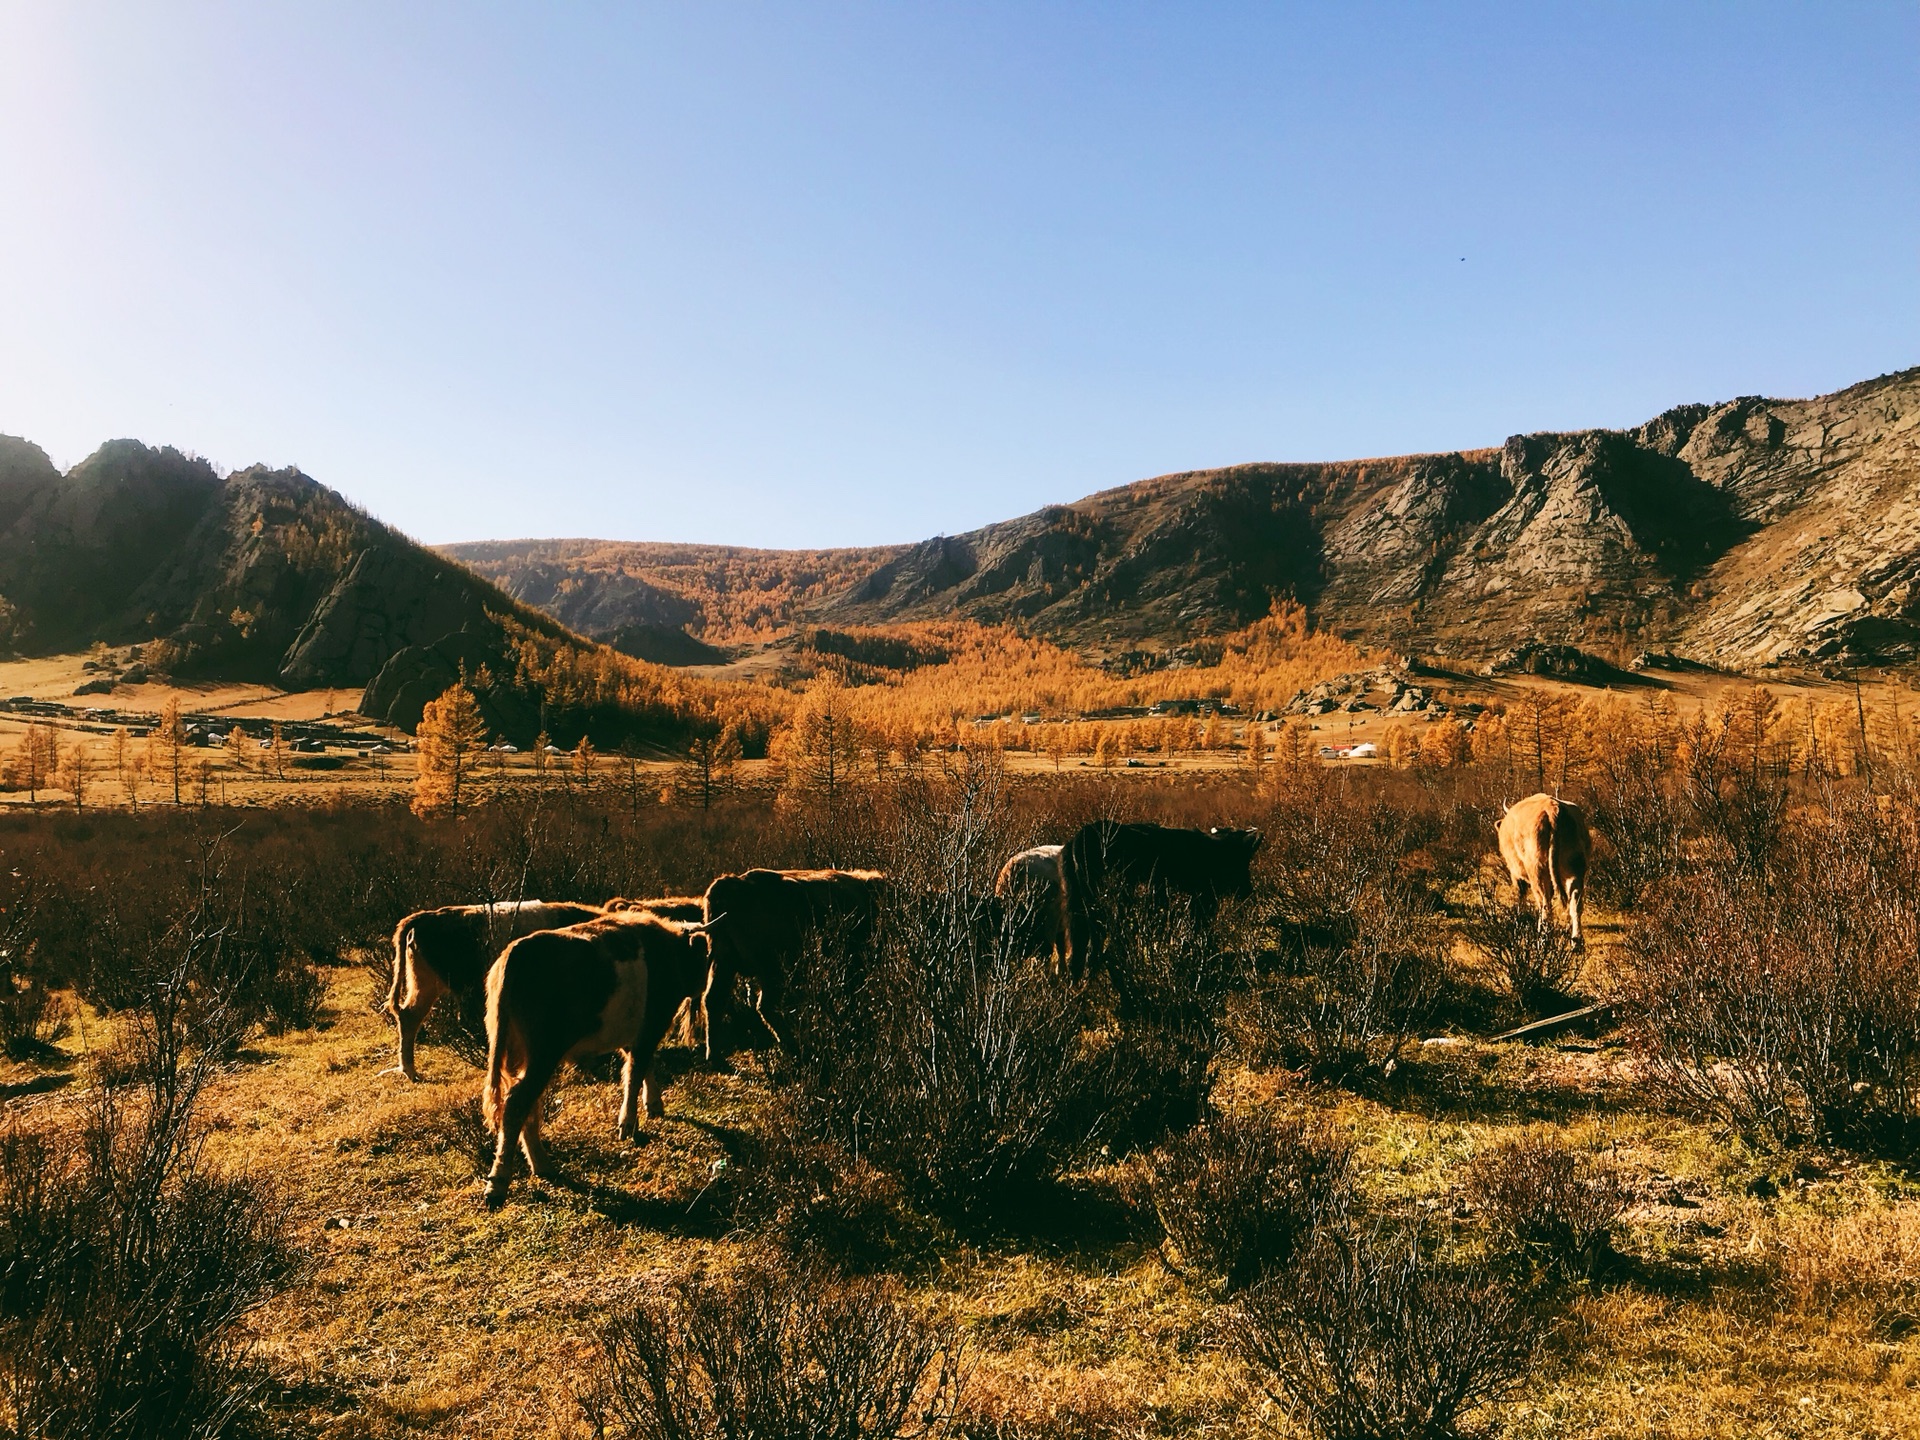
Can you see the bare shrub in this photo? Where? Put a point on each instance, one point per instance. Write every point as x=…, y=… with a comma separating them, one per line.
x=818, y=1200
x=1329, y=849
x=1543, y=1204
x=773, y=1353
x=1366, y=1336
x=126, y=1263
x=1639, y=820
x=944, y=1057
x=1362, y=996
x=1787, y=1004
x=1734, y=772
x=1240, y=1194
x=31, y=1015
x=1539, y=962
x=957, y=1066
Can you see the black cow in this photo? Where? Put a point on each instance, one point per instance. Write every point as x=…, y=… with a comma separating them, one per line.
x=1108, y=858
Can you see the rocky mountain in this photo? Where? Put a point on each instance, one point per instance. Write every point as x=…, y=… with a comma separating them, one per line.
x=262, y=575
x=1743, y=534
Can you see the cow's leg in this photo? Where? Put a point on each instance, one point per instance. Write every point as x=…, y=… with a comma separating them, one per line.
x=1544, y=889
x=1079, y=939
x=1520, y=887
x=713, y=999
x=533, y=1142
x=644, y=1060
x=521, y=1107
x=650, y=1089
x=423, y=988
x=629, y=1127
x=764, y=991
x=1575, y=894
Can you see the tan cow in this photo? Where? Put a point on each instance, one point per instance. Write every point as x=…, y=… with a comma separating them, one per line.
x=614, y=983
x=688, y=908
x=1029, y=888
x=760, y=920
x=447, y=951
x=1546, y=845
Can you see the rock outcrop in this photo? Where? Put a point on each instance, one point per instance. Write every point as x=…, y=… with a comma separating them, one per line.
x=389, y=600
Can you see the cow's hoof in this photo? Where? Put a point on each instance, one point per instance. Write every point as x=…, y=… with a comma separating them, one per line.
x=496, y=1195
x=401, y=1071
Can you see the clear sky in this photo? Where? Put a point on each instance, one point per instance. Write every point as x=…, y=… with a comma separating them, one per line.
x=835, y=274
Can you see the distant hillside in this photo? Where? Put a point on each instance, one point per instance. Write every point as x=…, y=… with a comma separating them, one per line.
x=670, y=603
x=1741, y=533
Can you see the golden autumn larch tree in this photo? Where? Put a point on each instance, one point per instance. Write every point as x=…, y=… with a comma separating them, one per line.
x=451, y=741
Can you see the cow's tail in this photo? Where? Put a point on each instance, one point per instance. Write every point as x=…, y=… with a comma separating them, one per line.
x=402, y=938
x=493, y=1100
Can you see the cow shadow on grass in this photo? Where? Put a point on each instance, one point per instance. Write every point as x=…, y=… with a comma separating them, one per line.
x=629, y=1183
x=680, y=1216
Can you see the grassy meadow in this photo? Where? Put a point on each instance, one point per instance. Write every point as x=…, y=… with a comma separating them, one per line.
x=1235, y=1186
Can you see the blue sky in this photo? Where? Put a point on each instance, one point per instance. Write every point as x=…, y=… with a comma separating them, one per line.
x=839, y=274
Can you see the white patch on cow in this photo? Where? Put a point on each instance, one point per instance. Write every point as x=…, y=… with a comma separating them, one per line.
x=511, y=907
x=625, y=1012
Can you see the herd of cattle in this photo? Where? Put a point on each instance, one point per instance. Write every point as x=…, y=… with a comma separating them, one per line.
x=571, y=981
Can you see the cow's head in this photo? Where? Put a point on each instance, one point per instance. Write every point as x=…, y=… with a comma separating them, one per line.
x=1241, y=846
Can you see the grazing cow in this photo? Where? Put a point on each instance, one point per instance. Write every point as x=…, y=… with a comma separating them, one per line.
x=691, y=910
x=759, y=921
x=613, y=983
x=688, y=908
x=447, y=951
x=1108, y=856
x=1029, y=887
x=1546, y=845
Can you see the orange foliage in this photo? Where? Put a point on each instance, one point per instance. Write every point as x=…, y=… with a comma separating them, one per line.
x=980, y=681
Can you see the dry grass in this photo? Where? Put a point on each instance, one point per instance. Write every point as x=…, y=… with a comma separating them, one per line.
x=1755, y=1294
x=425, y=1315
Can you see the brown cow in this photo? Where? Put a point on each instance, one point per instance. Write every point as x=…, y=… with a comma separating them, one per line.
x=1031, y=882
x=690, y=910
x=759, y=921
x=447, y=951
x=1109, y=856
x=614, y=983
x=1546, y=845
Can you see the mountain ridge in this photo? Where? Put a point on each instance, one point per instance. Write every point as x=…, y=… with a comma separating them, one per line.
x=1747, y=533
